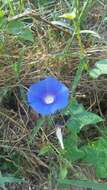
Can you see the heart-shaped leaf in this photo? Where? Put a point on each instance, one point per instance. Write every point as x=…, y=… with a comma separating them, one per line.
x=100, y=69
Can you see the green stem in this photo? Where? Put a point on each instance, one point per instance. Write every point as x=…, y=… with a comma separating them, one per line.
x=82, y=51
x=11, y=7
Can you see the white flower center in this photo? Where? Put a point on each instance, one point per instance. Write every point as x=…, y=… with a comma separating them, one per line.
x=49, y=99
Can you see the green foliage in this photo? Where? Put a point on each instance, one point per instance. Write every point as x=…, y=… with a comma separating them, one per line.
x=96, y=155
x=8, y=167
x=19, y=29
x=17, y=66
x=78, y=74
x=26, y=35
x=72, y=152
x=40, y=3
x=12, y=7
x=35, y=130
x=3, y=23
x=80, y=117
x=87, y=4
x=1, y=13
x=45, y=150
x=63, y=171
x=16, y=28
x=82, y=183
x=100, y=69
x=3, y=93
x=73, y=108
x=9, y=179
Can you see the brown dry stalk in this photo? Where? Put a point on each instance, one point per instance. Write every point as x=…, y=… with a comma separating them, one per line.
x=36, y=16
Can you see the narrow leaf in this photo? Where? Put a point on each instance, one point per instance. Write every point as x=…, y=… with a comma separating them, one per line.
x=9, y=179
x=35, y=130
x=93, y=33
x=83, y=183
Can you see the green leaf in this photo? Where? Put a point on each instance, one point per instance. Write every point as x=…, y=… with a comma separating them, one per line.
x=10, y=179
x=100, y=69
x=63, y=171
x=1, y=13
x=73, y=108
x=96, y=155
x=3, y=23
x=82, y=183
x=27, y=35
x=76, y=108
x=15, y=27
x=45, y=150
x=20, y=29
x=87, y=118
x=73, y=153
x=82, y=119
x=73, y=123
x=93, y=33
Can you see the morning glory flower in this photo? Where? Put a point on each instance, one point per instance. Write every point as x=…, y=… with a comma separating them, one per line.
x=47, y=96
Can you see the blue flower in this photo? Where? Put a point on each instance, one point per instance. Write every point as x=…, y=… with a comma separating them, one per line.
x=47, y=96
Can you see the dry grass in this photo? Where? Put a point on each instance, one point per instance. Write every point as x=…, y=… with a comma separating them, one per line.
x=45, y=57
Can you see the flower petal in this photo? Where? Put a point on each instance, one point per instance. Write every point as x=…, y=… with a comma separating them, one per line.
x=48, y=87
x=41, y=108
x=36, y=90
x=62, y=98
x=52, y=85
